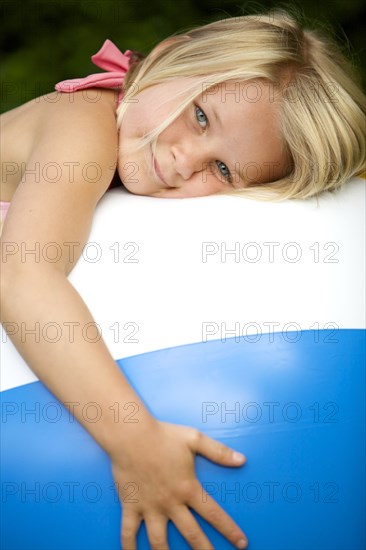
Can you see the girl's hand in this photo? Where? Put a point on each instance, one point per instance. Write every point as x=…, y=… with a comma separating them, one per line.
x=156, y=482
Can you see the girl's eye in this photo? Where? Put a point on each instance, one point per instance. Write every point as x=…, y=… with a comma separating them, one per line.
x=223, y=169
x=200, y=115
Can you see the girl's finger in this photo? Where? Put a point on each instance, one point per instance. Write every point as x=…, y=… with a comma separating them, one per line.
x=208, y=508
x=216, y=451
x=156, y=527
x=190, y=529
x=129, y=529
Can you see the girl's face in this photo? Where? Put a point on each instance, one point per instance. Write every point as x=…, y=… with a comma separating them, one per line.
x=228, y=138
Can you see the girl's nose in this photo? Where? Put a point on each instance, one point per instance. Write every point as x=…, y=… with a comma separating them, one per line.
x=189, y=158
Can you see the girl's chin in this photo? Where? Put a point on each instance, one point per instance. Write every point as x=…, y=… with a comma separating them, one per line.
x=136, y=189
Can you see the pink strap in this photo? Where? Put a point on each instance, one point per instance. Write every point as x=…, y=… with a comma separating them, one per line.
x=109, y=58
x=4, y=207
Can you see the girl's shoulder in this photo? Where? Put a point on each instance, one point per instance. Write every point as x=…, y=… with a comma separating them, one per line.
x=76, y=110
x=37, y=112
x=41, y=108
x=82, y=117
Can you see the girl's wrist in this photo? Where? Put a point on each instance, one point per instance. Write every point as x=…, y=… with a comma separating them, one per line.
x=130, y=425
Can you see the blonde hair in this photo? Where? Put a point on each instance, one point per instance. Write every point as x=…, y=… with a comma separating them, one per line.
x=322, y=108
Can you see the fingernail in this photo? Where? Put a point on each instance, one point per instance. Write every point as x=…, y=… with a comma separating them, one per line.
x=239, y=458
x=242, y=543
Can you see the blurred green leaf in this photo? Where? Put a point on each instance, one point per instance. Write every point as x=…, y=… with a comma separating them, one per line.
x=45, y=41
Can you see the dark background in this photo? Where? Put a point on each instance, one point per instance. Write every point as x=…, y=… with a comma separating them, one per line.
x=45, y=41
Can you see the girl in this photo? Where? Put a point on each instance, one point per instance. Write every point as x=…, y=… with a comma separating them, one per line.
x=253, y=106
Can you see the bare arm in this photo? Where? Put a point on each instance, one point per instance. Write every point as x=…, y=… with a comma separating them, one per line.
x=36, y=290
x=82, y=371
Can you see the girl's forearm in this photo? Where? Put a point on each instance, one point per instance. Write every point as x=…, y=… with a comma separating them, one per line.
x=45, y=318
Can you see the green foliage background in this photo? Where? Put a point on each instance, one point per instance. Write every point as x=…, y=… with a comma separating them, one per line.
x=45, y=41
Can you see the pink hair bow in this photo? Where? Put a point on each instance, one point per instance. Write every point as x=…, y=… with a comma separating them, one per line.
x=109, y=58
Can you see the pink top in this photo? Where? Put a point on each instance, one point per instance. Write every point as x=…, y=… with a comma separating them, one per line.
x=112, y=60
x=109, y=58
x=3, y=211
x=4, y=206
